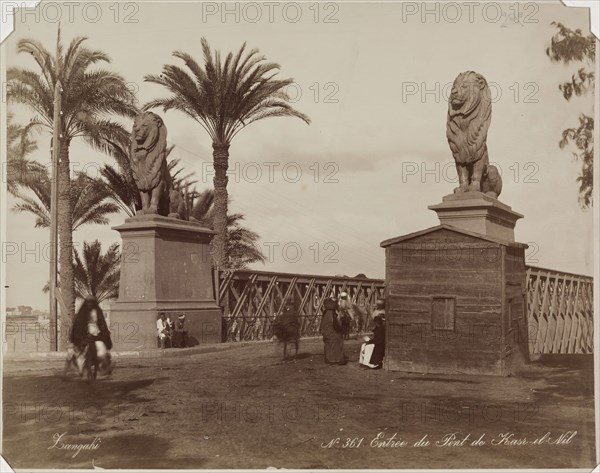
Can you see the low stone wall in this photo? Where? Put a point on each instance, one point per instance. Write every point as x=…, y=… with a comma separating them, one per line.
x=26, y=335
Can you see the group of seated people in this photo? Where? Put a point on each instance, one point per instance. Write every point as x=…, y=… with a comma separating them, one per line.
x=171, y=334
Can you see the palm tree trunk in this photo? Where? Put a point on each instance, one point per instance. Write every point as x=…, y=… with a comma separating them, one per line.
x=65, y=237
x=221, y=163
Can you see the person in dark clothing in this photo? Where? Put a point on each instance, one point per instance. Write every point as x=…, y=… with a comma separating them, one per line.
x=378, y=340
x=90, y=331
x=180, y=334
x=287, y=328
x=90, y=325
x=332, y=334
x=379, y=310
x=345, y=315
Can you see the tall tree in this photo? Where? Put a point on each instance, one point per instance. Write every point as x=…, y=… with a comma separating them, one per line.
x=224, y=98
x=568, y=46
x=20, y=144
x=88, y=199
x=241, y=248
x=89, y=98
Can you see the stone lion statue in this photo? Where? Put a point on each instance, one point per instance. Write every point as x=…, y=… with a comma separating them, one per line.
x=469, y=116
x=149, y=166
x=149, y=163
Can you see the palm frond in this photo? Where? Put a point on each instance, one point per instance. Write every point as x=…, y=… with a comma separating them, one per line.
x=121, y=188
x=97, y=274
x=224, y=97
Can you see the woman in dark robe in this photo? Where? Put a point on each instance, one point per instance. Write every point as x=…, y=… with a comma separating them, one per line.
x=332, y=334
x=378, y=340
x=90, y=326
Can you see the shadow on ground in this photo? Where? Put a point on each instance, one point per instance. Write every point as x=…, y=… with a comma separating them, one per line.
x=245, y=408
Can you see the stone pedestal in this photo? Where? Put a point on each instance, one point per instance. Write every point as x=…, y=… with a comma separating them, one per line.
x=456, y=294
x=165, y=267
x=479, y=213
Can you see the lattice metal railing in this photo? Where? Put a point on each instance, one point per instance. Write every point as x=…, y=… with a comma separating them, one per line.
x=560, y=305
x=561, y=312
x=252, y=300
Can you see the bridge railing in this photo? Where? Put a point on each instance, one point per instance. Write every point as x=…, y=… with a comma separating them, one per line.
x=560, y=312
x=559, y=308
x=252, y=300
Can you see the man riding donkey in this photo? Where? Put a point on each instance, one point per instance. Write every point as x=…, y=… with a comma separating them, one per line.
x=90, y=336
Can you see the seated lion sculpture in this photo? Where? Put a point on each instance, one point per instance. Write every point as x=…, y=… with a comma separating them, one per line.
x=469, y=116
x=149, y=163
x=149, y=166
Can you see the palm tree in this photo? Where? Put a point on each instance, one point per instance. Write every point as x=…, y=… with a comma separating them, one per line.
x=96, y=274
x=89, y=97
x=121, y=188
x=20, y=144
x=241, y=247
x=88, y=200
x=224, y=99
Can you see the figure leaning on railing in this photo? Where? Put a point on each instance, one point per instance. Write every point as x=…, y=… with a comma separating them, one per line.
x=345, y=315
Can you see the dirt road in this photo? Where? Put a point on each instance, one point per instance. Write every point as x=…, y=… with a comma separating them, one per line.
x=244, y=408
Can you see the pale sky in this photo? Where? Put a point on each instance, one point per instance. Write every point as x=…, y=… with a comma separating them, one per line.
x=374, y=85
